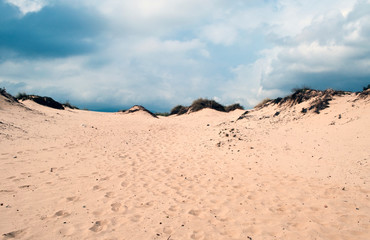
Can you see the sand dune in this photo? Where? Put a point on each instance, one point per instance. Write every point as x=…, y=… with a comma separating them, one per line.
x=77, y=174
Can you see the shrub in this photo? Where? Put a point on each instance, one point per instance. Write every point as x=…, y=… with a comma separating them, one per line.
x=366, y=87
x=22, y=96
x=301, y=89
x=68, y=104
x=233, y=107
x=163, y=114
x=45, y=101
x=320, y=104
x=179, y=109
x=263, y=103
x=7, y=95
x=202, y=103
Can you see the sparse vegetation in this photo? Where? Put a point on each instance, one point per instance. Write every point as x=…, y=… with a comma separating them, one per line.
x=277, y=100
x=301, y=89
x=7, y=95
x=366, y=87
x=163, y=114
x=320, y=104
x=69, y=105
x=45, y=101
x=202, y=103
x=22, y=96
x=179, y=109
x=233, y=107
x=263, y=103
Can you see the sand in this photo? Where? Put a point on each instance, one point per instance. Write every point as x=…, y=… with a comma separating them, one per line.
x=74, y=174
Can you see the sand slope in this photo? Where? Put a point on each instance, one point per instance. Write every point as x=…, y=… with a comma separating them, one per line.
x=77, y=174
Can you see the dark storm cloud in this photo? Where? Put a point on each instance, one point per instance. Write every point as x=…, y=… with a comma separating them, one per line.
x=54, y=31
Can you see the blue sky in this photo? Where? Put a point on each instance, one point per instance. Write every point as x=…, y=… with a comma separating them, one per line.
x=109, y=55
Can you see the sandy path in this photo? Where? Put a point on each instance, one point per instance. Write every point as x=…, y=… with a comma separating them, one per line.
x=86, y=175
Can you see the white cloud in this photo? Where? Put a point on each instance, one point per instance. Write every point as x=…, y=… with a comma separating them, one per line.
x=26, y=6
x=220, y=34
x=153, y=45
x=333, y=51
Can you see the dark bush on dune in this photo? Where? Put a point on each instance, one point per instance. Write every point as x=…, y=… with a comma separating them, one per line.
x=301, y=95
x=22, y=96
x=277, y=100
x=263, y=103
x=319, y=100
x=366, y=87
x=301, y=89
x=45, y=101
x=202, y=103
x=8, y=96
x=320, y=104
x=163, y=114
x=69, y=105
x=233, y=107
x=49, y=102
x=179, y=109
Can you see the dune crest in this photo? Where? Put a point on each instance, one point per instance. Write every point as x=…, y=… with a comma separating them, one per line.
x=139, y=109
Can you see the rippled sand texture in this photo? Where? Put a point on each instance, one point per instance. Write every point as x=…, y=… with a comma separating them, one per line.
x=77, y=174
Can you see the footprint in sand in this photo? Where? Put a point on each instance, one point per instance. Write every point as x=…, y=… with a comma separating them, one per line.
x=61, y=213
x=98, y=226
x=14, y=234
x=194, y=212
x=122, y=175
x=96, y=187
x=116, y=206
x=70, y=199
x=109, y=194
x=167, y=230
x=145, y=205
x=124, y=184
x=105, y=178
x=135, y=218
x=197, y=235
x=173, y=208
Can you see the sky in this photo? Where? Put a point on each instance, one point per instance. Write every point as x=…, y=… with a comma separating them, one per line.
x=109, y=55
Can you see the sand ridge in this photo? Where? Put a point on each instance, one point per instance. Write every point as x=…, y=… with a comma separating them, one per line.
x=206, y=175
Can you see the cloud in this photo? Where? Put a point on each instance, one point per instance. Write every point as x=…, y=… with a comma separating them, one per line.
x=332, y=52
x=54, y=31
x=26, y=6
x=220, y=34
x=153, y=45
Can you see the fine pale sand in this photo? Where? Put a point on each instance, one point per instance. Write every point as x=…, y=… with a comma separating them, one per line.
x=74, y=174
